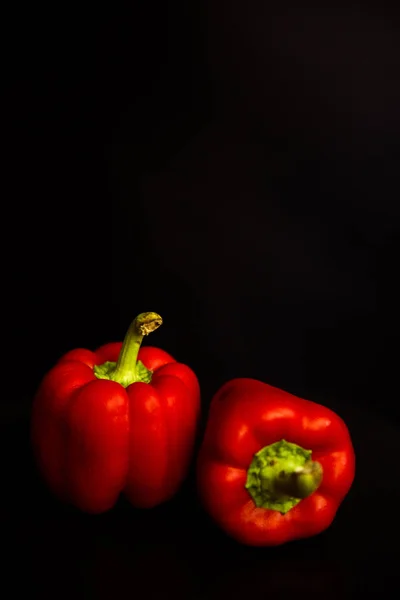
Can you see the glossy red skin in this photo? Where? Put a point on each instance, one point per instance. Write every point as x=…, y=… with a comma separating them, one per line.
x=94, y=439
x=246, y=415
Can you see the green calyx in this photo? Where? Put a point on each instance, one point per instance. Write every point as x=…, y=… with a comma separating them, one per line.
x=108, y=371
x=128, y=369
x=281, y=475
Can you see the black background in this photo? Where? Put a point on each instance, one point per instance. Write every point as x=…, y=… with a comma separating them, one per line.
x=235, y=168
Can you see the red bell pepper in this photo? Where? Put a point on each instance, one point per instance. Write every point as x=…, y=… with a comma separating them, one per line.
x=120, y=419
x=272, y=467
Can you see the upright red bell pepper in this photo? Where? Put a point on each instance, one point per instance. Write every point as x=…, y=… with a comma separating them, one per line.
x=118, y=420
x=272, y=467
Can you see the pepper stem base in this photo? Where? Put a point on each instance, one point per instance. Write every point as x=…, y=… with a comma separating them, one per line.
x=281, y=475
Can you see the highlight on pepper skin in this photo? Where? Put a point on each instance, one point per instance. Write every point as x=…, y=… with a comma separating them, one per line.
x=120, y=420
x=272, y=467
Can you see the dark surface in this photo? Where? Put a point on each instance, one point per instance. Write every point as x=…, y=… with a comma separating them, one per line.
x=235, y=170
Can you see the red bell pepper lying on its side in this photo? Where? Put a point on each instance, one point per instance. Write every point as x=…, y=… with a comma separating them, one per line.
x=272, y=467
x=116, y=420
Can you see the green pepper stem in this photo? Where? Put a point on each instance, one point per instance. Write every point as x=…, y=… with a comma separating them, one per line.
x=281, y=475
x=125, y=371
x=300, y=483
